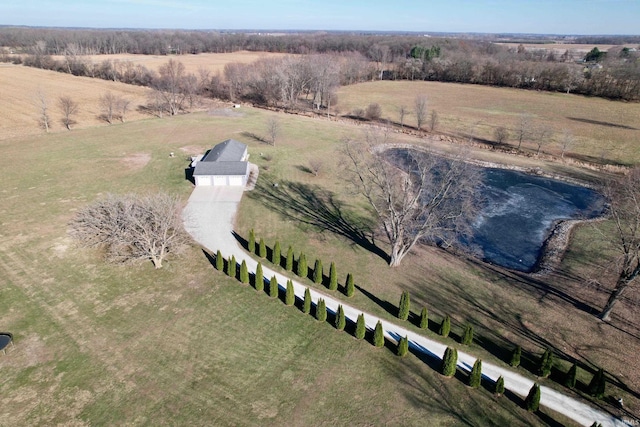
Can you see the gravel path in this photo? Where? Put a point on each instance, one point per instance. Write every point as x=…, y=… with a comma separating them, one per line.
x=209, y=217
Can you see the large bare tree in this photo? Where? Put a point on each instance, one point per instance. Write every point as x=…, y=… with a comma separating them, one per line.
x=170, y=86
x=131, y=228
x=416, y=196
x=624, y=209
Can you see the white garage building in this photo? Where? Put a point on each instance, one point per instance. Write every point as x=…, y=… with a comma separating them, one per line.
x=224, y=164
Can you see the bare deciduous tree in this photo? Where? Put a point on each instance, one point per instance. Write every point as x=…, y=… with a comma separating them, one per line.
x=566, y=142
x=420, y=104
x=43, y=110
x=501, y=135
x=122, y=107
x=624, y=209
x=69, y=108
x=108, y=103
x=323, y=80
x=315, y=165
x=169, y=86
x=373, y=111
x=403, y=112
x=381, y=54
x=332, y=100
x=524, y=128
x=433, y=202
x=273, y=129
x=542, y=136
x=131, y=228
x=433, y=120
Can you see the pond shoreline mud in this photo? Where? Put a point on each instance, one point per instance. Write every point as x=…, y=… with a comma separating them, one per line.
x=556, y=244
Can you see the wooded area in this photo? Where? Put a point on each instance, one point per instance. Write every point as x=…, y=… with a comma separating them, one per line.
x=614, y=74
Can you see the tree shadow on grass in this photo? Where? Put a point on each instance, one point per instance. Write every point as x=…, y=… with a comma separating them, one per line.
x=319, y=208
x=384, y=304
x=255, y=137
x=435, y=363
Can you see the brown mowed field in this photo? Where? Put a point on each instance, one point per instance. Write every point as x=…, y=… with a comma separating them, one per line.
x=601, y=129
x=213, y=62
x=19, y=102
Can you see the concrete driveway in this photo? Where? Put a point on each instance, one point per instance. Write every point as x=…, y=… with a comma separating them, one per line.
x=209, y=217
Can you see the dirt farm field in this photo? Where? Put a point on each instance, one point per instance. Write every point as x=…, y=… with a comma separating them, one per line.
x=20, y=105
x=214, y=62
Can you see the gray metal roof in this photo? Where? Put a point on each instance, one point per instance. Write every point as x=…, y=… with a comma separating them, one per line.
x=221, y=168
x=224, y=159
x=227, y=151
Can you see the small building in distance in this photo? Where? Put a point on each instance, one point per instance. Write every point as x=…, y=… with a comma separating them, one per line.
x=226, y=164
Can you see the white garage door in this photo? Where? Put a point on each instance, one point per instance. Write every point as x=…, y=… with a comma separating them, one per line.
x=203, y=180
x=235, y=180
x=219, y=180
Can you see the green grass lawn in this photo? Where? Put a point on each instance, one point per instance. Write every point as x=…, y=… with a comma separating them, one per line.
x=99, y=344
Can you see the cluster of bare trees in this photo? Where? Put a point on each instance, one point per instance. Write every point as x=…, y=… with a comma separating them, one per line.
x=284, y=81
x=114, y=107
x=67, y=106
x=131, y=228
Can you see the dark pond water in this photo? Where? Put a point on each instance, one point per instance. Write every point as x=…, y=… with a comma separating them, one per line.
x=520, y=211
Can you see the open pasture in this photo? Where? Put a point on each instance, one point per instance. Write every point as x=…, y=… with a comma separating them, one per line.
x=602, y=130
x=99, y=344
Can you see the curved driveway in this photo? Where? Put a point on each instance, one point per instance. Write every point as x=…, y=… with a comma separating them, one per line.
x=209, y=217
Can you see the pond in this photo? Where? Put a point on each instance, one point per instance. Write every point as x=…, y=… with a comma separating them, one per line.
x=520, y=211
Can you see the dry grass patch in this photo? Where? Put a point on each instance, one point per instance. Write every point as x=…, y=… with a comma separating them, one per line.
x=136, y=161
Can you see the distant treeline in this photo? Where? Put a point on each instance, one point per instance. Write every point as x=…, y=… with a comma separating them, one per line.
x=615, y=75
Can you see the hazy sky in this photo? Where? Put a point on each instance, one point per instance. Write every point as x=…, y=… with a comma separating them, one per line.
x=489, y=16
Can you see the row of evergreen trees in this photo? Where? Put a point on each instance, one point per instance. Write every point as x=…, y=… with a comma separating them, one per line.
x=404, y=313
x=596, y=387
x=448, y=366
x=449, y=360
x=301, y=265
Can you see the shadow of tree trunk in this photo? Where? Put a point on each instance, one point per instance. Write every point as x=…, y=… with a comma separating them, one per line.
x=319, y=208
